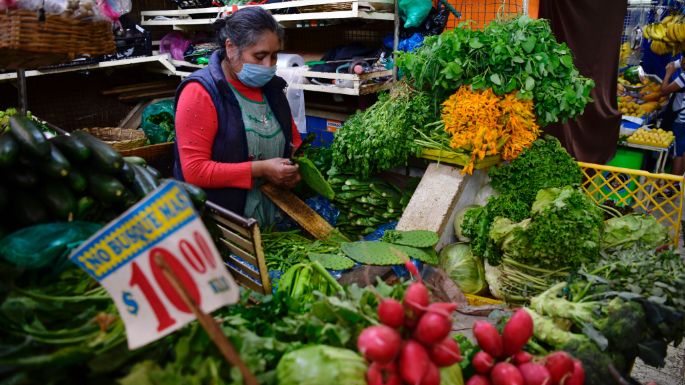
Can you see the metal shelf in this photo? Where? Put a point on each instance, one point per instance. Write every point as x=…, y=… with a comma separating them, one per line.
x=342, y=9
x=164, y=60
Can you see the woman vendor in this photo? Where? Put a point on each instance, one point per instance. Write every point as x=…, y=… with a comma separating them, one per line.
x=234, y=128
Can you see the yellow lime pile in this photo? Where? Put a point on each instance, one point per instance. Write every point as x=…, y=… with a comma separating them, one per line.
x=654, y=138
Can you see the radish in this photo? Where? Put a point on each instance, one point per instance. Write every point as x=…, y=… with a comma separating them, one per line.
x=505, y=373
x=560, y=365
x=488, y=338
x=535, y=374
x=391, y=313
x=416, y=299
x=379, y=343
x=432, y=328
x=383, y=374
x=482, y=362
x=445, y=308
x=478, y=380
x=578, y=375
x=522, y=357
x=446, y=353
x=413, y=270
x=413, y=362
x=517, y=332
x=432, y=375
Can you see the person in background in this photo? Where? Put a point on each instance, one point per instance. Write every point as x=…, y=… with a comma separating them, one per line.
x=677, y=106
x=234, y=127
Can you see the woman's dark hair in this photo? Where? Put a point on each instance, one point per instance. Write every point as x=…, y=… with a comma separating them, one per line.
x=244, y=26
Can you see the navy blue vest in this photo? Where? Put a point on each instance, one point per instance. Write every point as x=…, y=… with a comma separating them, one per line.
x=230, y=143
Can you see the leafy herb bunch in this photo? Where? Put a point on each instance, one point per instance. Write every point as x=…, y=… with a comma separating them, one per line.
x=516, y=54
x=382, y=137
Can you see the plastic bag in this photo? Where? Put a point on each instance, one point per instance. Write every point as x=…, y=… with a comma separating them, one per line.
x=295, y=97
x=158, y=122
x=414, y=12
x=175, y=44
x=114, y=9
x=42, y=245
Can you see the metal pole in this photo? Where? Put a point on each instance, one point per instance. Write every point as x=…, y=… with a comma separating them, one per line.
x=396, y=39
x=21, y=86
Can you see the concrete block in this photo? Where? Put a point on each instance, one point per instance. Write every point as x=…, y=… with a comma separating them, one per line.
x=442, y=192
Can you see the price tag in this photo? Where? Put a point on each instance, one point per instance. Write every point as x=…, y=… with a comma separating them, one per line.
x=120, y=257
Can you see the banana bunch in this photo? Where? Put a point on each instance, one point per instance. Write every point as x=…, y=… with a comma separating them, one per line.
x=625, y=53
x=667, y=36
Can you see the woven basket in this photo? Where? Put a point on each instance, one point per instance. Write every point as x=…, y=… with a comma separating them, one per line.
x=326, y=7
x=153, y=152
x=119, y=138
x=26, y=42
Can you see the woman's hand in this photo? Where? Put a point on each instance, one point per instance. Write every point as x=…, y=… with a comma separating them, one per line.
x=278, y=171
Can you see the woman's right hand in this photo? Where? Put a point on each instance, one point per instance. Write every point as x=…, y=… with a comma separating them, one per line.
x=278, y=171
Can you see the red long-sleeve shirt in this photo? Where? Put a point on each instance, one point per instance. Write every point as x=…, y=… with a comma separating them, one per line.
x=196, y=127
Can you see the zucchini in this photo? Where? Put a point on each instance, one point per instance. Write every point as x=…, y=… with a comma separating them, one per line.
x=143, y=183
x=128, y=199
x=126, y=174
x=57, y=166
x=197, y=195
x=77, y=181
x=136, y=160
x=28, y=209
x=85, y=208
x=22, y=176
x=106, y=188
x=59, y=200
x=105, y=158
x=155, y=173
x=9, y=150
x=73, y=148
x=29, y=136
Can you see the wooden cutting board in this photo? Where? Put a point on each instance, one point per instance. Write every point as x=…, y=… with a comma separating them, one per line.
x=296, y=209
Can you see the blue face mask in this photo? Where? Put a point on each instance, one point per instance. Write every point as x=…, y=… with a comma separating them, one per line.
x=256, y=75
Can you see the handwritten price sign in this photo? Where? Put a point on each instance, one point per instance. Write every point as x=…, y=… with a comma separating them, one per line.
x=121, y=258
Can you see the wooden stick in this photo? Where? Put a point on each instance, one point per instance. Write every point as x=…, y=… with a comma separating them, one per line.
x=208, y=323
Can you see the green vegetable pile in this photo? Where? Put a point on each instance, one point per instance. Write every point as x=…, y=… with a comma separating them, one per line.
x=283, y=250
x=58, y=326
x=507, y=55
x=630, y=304
x=563, y=231
x=546, y=164
x=381, y=137
x=365, y=204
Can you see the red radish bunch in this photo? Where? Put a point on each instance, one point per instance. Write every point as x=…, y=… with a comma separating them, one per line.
x=502, y=362
x=412, y=342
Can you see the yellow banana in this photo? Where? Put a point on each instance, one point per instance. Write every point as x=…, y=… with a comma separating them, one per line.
x=667, y=19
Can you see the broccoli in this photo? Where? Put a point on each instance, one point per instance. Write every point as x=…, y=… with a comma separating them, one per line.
x=595, y=362
x=623, y=324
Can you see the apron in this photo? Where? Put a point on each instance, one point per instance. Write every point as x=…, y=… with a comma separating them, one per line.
x=265, y=140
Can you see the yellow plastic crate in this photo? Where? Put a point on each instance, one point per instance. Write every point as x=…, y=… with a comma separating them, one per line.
x=641, y=190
